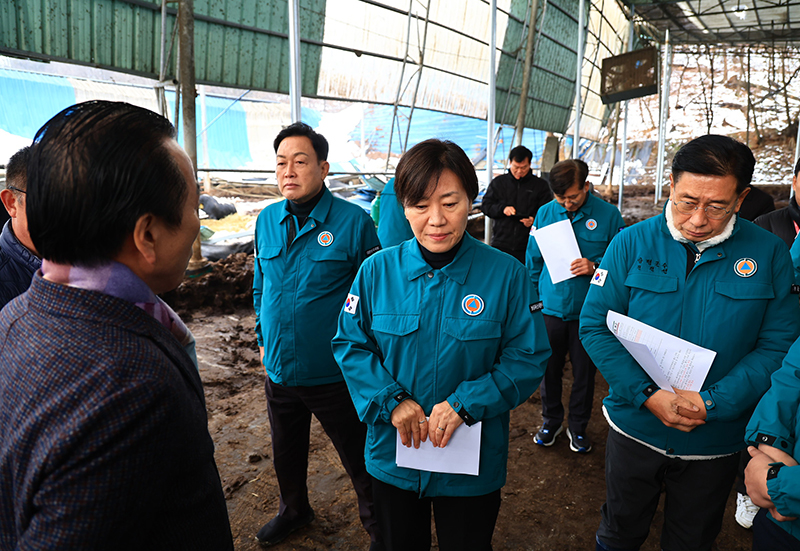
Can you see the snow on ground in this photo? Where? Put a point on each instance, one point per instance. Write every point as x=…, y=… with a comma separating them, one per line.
x=694, y=110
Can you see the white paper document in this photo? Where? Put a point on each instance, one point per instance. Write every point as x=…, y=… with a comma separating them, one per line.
x=669, y=360
x=559, y=249
x=461, y=455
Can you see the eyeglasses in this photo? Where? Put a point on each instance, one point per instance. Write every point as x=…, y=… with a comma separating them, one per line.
x=712, y=211
x=16, y=189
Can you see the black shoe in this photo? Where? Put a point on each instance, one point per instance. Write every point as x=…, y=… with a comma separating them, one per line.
x=278, y=528
x=578, y=442
x=547, y=435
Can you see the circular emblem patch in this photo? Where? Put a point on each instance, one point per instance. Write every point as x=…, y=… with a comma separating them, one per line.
x=472, y=305
x=591, y=224
x=745, y=267
x=325, y=238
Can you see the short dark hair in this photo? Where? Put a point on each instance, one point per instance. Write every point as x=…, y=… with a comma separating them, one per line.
x=566, y=174
x=520, y=154
x=95, y=169
x=715, y=155
x=17, y=169
x=797, y=167
x=318, y=141
x=424, y=163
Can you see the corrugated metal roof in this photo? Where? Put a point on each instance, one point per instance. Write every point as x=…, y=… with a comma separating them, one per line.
x=723, y=21
x=118, y=34
x=351, y=49
x=551, y=96
x=242, y=43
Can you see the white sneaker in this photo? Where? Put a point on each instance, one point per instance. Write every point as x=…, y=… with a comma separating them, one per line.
x=746, y=510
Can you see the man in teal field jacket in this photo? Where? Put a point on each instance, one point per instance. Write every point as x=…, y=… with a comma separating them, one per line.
x=702, y=274
x=595, y=223
x=307, y=252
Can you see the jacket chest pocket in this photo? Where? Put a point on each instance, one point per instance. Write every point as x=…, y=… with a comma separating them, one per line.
x=649, y=292
x=652, y=283
x=268, y=258
x=472, y=329
x=268, y=252
x=328, y=265
x=593, y=243
x=396, y=336
x=472, y=344
x=741, y=299
x=396, y=325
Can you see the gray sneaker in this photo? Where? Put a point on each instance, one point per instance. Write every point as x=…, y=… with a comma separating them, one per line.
x=547, y=435
x=579, y=443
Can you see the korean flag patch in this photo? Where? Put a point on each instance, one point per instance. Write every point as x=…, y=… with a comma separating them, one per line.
x=350, y=304
x=599, y=277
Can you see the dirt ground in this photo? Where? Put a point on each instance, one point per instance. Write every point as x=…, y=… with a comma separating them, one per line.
x=551, y=500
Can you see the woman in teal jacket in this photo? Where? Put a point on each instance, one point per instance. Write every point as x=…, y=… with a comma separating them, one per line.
x=439, y=327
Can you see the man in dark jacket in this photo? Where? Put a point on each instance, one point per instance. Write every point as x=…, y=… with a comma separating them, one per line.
x=784, y=222
x=512, y=200
x=105, y=431
x=756, y=203
x=18, y=258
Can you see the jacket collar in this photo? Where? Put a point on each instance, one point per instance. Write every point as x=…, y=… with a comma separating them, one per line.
x=320, y=212
x=457, y=270
x=10, y=244
x=59, y=300
x=667, y=227
x=584, y=210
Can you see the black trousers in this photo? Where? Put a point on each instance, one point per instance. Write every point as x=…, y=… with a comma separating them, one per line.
x=290, y=410
x=563, y=336
x=696, y=493
x=462, y=523
x=769, y=536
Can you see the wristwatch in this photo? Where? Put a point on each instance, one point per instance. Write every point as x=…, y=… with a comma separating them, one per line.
x=772, y=472
x=595, y=265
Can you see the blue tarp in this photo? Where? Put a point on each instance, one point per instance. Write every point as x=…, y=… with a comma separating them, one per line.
x=43, y=95
x=468, y=133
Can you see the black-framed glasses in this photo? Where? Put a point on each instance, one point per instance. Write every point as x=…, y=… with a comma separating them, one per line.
x=712, y=211
x=16, y=189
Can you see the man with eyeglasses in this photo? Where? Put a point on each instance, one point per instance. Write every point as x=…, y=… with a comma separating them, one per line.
x=18, y=257
x=699, y=272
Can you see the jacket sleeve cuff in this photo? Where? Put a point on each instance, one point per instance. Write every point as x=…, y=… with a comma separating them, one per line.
x=641, y=397
x=395, y=398
x=710, y=405
x=462, y=412
x=775, y=440
x=782, y=491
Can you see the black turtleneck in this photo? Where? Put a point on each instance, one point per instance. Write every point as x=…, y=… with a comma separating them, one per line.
x=303, y=210
x=437, y=261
